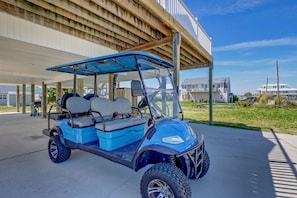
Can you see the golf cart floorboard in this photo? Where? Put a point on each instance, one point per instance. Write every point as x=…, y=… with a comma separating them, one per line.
x=122, y=155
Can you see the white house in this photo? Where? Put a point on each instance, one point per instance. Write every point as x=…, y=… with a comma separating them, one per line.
x=284, y=89
x=8, y=95
x=197, y=89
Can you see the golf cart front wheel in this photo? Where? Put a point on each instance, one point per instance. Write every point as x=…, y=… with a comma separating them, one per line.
x=164, y=180
x=57, y=151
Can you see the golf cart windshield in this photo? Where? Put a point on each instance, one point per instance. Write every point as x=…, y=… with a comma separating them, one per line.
x=160, y=91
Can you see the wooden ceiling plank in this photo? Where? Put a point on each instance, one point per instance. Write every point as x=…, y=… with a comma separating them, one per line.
x=130, y=18
x=81, y=20
x=30, y=16
x=79, y=11
x=114, y=20
x=61, y=19
x=144, y=15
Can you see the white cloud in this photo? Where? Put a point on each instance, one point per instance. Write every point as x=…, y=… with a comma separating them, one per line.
x=256, y=44
x=226, y=7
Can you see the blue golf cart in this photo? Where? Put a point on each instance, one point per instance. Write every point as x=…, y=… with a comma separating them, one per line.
x=152, y=132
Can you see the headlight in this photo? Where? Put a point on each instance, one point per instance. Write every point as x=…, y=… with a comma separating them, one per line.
x=173, y=139
x=191, y=131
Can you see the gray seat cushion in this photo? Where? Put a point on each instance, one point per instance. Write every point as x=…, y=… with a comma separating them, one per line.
x=117, y=124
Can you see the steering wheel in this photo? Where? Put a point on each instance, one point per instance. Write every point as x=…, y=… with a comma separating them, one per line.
x=142, y=103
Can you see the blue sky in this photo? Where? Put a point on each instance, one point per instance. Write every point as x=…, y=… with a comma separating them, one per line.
x=248, y=36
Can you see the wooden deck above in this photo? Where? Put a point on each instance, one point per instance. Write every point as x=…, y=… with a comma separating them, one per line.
x=121, y=25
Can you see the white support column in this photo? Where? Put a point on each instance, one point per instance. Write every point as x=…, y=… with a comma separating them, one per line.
x=24, y=99
x=32, y=97
x=44, y=100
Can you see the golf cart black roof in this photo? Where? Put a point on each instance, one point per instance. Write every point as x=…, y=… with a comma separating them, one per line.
x=115, y=63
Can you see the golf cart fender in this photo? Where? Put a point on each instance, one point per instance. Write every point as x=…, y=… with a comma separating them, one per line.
x=57, y=131
x=151, y=155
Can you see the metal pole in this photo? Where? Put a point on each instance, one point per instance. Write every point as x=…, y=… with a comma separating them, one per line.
x=277, y=81
x=210, y=93
x=266, y=85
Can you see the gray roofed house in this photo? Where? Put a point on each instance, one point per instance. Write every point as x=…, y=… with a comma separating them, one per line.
x=8, y=95
x=196, y=89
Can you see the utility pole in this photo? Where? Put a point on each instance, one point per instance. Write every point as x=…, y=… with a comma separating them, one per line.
x=277, y=82
x=266, y=85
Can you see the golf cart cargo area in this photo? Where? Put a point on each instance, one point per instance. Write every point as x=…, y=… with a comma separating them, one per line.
x=131, y=133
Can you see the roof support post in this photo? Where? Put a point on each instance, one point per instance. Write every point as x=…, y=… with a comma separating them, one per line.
x=176, y=58
x=44, y=100
x=95, y=85
x=17, y=98
x=32, y=93
x=210, y=68
x=58, y=95
x=24, y=99
x=32, y=89
x=111, y=86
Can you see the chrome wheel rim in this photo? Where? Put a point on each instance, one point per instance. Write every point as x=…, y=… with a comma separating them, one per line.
x=53, y=149
x=157, y=188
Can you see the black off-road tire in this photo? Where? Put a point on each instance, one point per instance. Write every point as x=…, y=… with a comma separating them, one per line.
x=206, y=164
x=57, y=151
x=165, y=179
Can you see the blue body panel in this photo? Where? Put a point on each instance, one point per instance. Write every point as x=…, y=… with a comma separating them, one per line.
x=112, y=140
x=168, y=128
x=77, y=135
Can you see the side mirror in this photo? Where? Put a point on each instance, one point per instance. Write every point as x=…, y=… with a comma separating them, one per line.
x=136, y=89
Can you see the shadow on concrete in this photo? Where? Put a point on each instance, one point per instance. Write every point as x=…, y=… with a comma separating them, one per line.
x=240, y=164
x=284, y=174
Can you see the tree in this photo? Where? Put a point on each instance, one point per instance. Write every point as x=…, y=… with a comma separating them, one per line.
x=247, y=94
x=51, y=94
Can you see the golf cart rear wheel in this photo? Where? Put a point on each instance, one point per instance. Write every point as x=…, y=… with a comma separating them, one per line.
x=57, y=151
x=164, y=180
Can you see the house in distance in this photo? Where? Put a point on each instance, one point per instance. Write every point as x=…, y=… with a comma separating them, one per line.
x=197, y=89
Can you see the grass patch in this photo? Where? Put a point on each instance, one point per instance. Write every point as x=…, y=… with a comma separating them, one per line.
x=265, y=118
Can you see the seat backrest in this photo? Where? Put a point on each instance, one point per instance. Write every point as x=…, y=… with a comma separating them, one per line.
x=77, y=105
x=65, y=98
x=122, y=106
x=136, y=89
x=102, y=105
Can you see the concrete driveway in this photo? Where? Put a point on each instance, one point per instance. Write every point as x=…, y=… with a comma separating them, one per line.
x=243, y=164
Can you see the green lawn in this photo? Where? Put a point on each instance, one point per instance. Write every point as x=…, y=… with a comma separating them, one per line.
x=278, y=119
x=281, y=120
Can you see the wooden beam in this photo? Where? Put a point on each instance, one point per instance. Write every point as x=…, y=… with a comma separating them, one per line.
x=152, y=44
x=176, y=58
